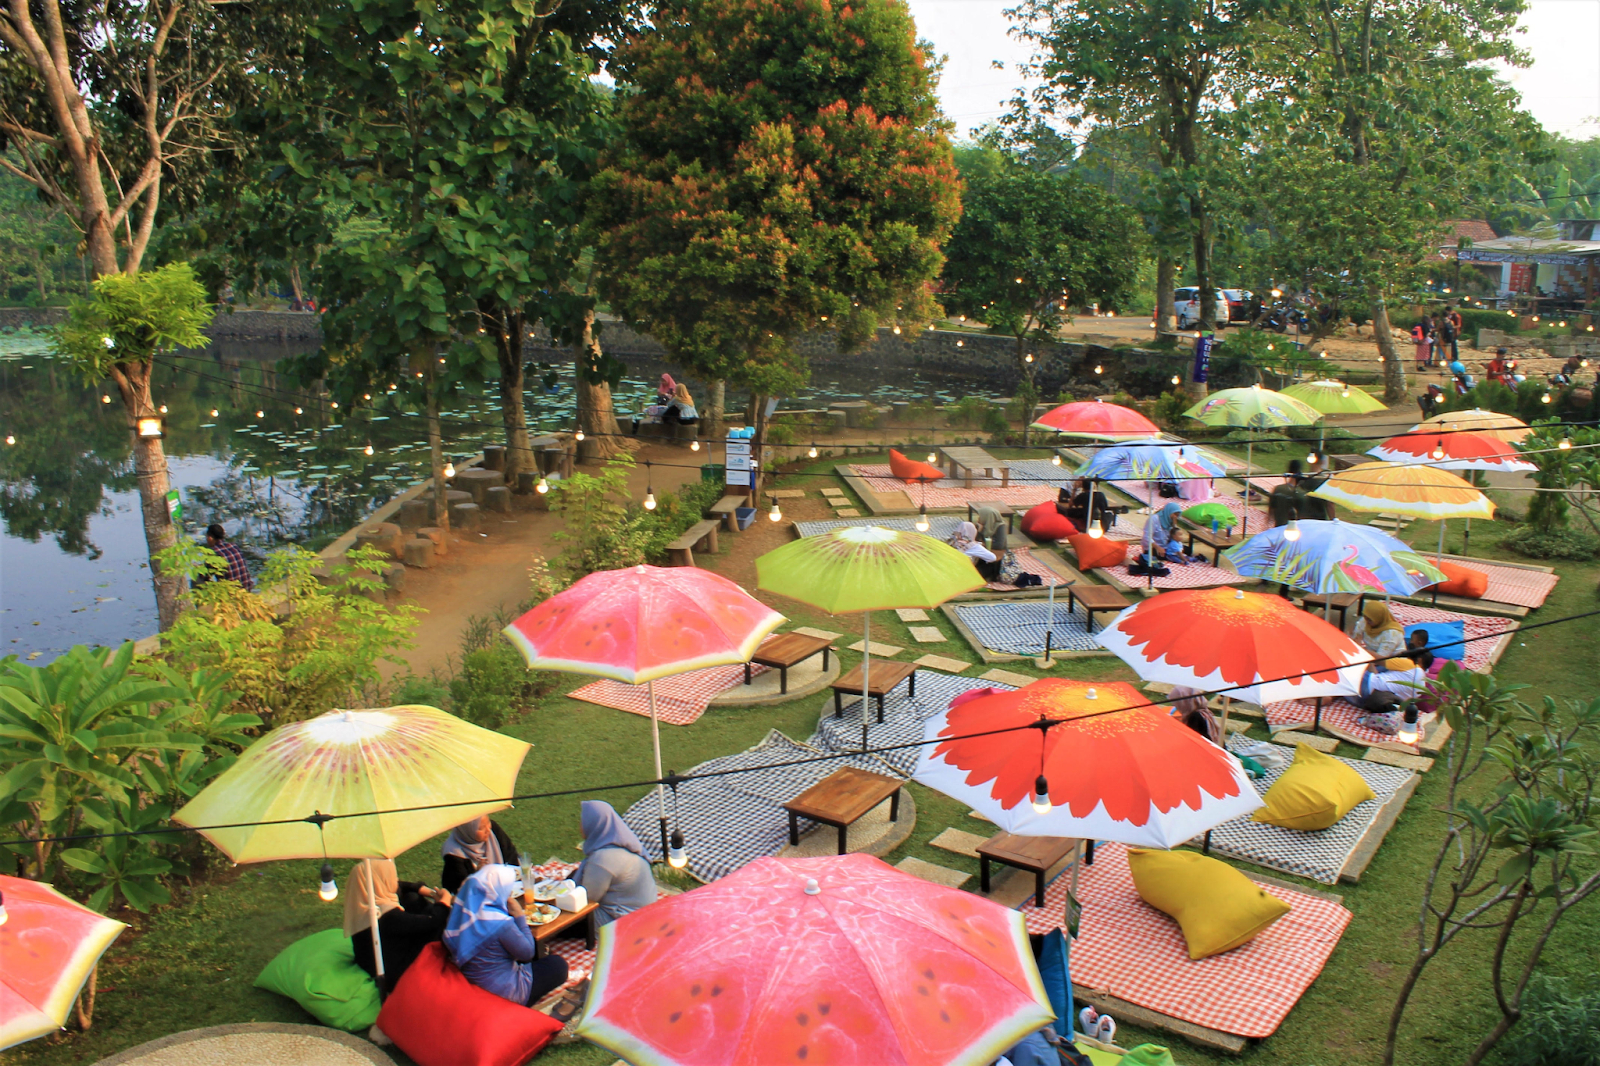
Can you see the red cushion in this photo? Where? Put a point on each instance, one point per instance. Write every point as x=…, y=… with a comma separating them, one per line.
x=907, y=469
x=439, y=1018
x=1044, y=522
x=1094, y=553
x=1462, y=581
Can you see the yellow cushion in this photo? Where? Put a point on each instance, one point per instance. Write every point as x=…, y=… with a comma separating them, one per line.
x=1313, y=793
x=1217, y=907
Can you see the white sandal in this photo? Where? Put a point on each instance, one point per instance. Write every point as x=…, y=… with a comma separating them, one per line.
x=1107, y=1031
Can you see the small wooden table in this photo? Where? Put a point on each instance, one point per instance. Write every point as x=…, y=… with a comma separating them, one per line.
x=543, y=934
x=963, y=461
x=1006, y=511
x=840, y=799
x=1217, y=542
x=1335, y=601
x=1034, y=854
x=785, y=650
x=1095, y=598
x=885, y=676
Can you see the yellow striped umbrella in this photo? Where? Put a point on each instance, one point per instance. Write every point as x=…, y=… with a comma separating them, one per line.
x=1489, y=423
x=1400, y=488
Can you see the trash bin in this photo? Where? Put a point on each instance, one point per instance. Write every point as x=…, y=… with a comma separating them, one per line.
x=715, y=473
x=745, y=516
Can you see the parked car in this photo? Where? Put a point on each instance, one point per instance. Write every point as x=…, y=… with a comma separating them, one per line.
x=1186, y=305
x=1238, y=304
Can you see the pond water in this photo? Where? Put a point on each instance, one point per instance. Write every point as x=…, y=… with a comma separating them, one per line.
x=73, y=567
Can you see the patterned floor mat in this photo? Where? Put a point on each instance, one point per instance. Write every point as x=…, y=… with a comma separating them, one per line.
x=1019, y=628
x=1031, y=564
x=1128, y=949
x=1321, y=855
x=949, y=492
x=1182, y=576
x=680, y=699
x=1340, y=718
x=903, y=719
x=1511, y=584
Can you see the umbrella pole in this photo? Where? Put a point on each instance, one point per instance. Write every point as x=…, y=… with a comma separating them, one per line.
x=1227, y=701
x=1466, y=535
x=866, y=678
x=372, y=903
x=1438, y=557
x=661, y=790
x=1050, y=623
x=1249, y=465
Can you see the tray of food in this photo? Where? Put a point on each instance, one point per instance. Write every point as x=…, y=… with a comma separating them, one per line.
x=543, y=914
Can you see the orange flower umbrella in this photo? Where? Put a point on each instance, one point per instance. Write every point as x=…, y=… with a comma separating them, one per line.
x=1452, y=451
x=1093, y=418
x=49, y=945
x=810, y=961
x=1113, y=769
x=1263, y=648
x=1507, y=427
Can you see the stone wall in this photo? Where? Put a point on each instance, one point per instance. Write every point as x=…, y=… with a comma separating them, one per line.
x=1585, y=347
x=280, y=326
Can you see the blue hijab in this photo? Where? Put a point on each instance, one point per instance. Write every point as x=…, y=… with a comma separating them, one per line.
x=1162, y=522
x=479, y=910
x=603, y=827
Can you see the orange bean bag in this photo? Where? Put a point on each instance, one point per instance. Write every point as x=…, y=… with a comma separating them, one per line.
x=1044, y=522
x=907, y=469
x=1093, y=553
x=1461, y=581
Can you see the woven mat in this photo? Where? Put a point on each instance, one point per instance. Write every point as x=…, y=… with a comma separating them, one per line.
x=1319, y=855
x=680, y=699
x=1511, y=584
x=1340, y=718
x=1254, y=519
x=948, y=492
x=1032, y=565
x=1130, y=950
x=1182, y=576
x=903, y=719
x=1476, y=655
x=1019, y=628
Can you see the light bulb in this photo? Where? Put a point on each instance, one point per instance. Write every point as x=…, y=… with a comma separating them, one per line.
x=1345, y=391
x=694, y=445
x=1276, y=293
x=1269, y=347
x=932, y=458
x=213, y=412
x=105, y=398
x=1291, y=532
x=298, y=411
x=1055, y=460
x=1176, y=380
x=1563, y=325
x=1311, y=458
x=1322, y=355
x=1099, y=369
x=1041, y=795
x=10, y=439
x=1536, y=318
x=1438, y=449
x=677, y=856
x=261, y=414
x=328, y=889
x=579, y=434
x=922, y=519
x=1407, y=733
x=543, y=486
x=366, y=395
x=108, y=342
x=163, y=408
x=649, y=499
x=368, y=449
x=1545, y=398
x=336, y=405
x=1566, y=442
x=963, y=344
x=1028, y=358
x=775, y=514
x=812, y=454
x=824, y=318
x=449, y=468
x=1097, y=529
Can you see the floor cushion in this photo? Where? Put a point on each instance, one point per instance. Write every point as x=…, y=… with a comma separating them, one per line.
x=319, y=972
x=1444, y=634
x=1045, y=523
x=908, y=469
x=439, y=1018
x=1315, y=792
x=1461, y=581
x=1093, y=552
x=1217, y=907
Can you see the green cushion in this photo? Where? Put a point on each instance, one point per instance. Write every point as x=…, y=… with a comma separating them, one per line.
x=1201, y=514
x=320, y=974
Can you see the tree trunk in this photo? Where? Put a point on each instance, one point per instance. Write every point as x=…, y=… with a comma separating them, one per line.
x=597, y=415
x=1166, y=280
x=1201, y=220
x=1394, y=371
x=1025, y=373
x=508, y=346
x=441, y=491
x=715, y=410
x=758, y=410
x=295, y=285
x=150, y=466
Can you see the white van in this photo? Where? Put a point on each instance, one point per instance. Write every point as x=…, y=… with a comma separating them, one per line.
x=1186, y=305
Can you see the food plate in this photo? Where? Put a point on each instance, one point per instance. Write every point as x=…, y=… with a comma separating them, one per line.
x=543, y=914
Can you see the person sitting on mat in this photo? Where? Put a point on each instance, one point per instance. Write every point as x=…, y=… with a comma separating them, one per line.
x=410, y=917
x=487, y=936
x=1189, y=707
x=1386, y=692
x=1081, y=507
x=470, y=847
x=1378, y=632
x=991, y=528
x=614, y=872
x=965, y=540
x=1173, y=551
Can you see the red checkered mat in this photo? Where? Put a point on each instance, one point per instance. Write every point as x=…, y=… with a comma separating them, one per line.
x=1511, y=584
x=680, y=699
x=948, y=492
x=1339, y=718
x=1031, y=565
x=1128, y=949
x=1253, y=518
x=1477, y=655
x=1182, y=576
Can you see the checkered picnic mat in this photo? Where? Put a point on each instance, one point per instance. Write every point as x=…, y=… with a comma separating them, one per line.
x=1130, y=950
x=680, y=699
x=1319, y=855
x=1019, y=628
x=1476, y=654
x=940, y=526
x=903, y=719
x=1030, y=564
x=948, y=492
x=1512, y=584
x=1340, y=718
x=1182, y=576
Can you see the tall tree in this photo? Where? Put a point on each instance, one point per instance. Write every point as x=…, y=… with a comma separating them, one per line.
x=782, y=168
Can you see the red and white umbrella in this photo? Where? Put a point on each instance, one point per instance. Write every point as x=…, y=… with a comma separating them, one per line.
x=1453, y=450
x=1093, y=418
x=1113, y=768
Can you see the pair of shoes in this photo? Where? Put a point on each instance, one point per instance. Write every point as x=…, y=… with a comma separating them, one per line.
x=1097, y=1026
x=570, y=1005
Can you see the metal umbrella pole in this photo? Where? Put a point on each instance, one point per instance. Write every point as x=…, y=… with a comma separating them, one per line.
x=661, y=791
x=372, y=907
x=866, y=678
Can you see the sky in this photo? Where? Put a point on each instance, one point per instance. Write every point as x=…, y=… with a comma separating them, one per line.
x=1561, y=88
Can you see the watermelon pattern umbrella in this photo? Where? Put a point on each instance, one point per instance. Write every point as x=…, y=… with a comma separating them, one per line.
x=49, y=947
x=1098, y=420
x=796, y=962
x=642, y=623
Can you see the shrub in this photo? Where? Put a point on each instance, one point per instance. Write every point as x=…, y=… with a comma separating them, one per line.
x=600, y=531
x=1556, y=543
x=1268, y=444
x=779, y=433
x=968, y=411
x=1169, y=409
x=1560, y=1026
x=416, y=689
x=491, y=685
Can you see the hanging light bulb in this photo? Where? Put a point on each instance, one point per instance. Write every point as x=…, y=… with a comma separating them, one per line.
x=10, y=439
x=299, y=411
x=261, y=414
x=775, y=514
x=163, y=408
x=105, y=397
x=1177, y=380
x=1545, y=398
x=694, y=445
x=1563, y=325
x=449, y=469
x=1323, y=354
x=897, y=331
x=336, y=405
x=1097, y=529
x=1276, y=293
x=922, y=519
x=1028, y=358
x=366, y=395
x=961, y=344
x=1041, y=795
x=213, y=412
x=327, y=888
x=1055, y=459
x=1269, y=347
x=1312, y=457
x=812, y=454
x=1345, y=391
x=1291, y=532
x=677, y=856
x=1566, y=442
x=1438, y=450
x=543, y=486
x=932, y=458
x=368, y=449
x=1098, y=369
x=1407, y=733
x=578, y=435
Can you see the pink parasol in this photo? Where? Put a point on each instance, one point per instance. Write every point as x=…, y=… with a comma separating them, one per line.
x=49, y=945
x=1092, y=418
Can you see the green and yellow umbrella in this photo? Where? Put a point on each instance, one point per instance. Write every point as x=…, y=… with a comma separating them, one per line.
x=1252, y=408
x=1334, y=398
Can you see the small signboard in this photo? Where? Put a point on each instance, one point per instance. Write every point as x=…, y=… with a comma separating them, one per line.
x=174, y=507
x=1202, y=355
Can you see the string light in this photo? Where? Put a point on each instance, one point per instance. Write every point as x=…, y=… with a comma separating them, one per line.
x=543, y=486
x=578, y=436
x=299, y=411
x=1097, y=529
x=1055, y=459
x=449, y=469
x=677, y=856
x=261, y=414
x=1028, y=358
x=963, y=344
x=368, y=448
x=1566, y=442
x=213, y=412
x=897, y=331
x=1098, y=369
x=1438, y=449
x=932, y=458
x=1041, y=795
x=1407, y=733
x=922, y=519
x=336, y=405
x=775, y=514
x=1312, y=457
x=1545, y=398
x=328, y=888
x=649, y=490
x=694, y=445
x=812, y=454
x=163, y=408
x=1291, y=532
x=1176, y=380
x=105, y=398
x=10, y=439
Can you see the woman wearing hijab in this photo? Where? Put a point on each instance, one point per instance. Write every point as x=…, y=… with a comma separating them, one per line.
x=1189, y=707
x=965, y=540
x=991, y=528
x=680, y=408
x=666, y=390
x=1378, y=632
x=614, y=873
x=472, y=846
x=410, y=917
x=489, y=939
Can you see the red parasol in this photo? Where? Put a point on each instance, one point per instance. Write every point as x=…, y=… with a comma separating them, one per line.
x=1455, y=450
x=49, y=945
x=1092, y=418
x=811, y=961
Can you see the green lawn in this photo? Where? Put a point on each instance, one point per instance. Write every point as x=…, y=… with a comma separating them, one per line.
x=192, y=964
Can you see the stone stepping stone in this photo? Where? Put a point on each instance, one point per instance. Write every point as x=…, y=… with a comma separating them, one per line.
x=929, y=871
x=911, y=614
x=787, y=494
x=939, y=662
x=833, y=492
x=1239, y=727
x=821, y=634
x=883, y=651
x=1006, y=677
x=1398, y=758
x=927, y=635
x=838, y=501
x=959, y=842
x=981, y=818
x=1310, y=740
x=847, y=512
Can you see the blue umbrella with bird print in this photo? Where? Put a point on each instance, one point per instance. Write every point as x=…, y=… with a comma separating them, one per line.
x=1331, y=557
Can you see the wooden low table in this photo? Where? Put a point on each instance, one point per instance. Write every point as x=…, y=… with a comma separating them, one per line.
x=842, y=798
x=1217, y=542
x=543, y=934
x=885, y=676
x=1335, y=601
x=1007, y=512
x=1095, y=598
x=785, y=650
x=963, y=461
x=1034, y=854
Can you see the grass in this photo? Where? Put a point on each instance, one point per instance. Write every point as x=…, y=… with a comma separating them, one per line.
x=191, y=964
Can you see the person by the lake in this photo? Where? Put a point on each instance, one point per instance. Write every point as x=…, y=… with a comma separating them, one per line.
x=238, y=570
x=410, y=917
x=681, y=408
x=488, y=938
x=470, y=847
x=614, y=873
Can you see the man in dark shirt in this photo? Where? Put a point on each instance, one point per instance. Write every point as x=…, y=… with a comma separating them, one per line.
x=217, y=540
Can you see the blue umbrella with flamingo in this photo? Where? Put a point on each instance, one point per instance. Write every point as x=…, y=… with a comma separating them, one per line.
x=1330, y=557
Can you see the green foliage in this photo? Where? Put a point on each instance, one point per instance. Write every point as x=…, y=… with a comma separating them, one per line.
x=309, y=639
x=598, y=531
x=969, y=411
x=37, y=242
x=1560, y=1025
x=133, y=317
x=1170, y=407
x=1558, y=469
x=1557, y=543
x=490, y=686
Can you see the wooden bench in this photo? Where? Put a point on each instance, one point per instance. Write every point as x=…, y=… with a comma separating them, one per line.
x=965, y=461
x=724, y=509
x=702, y=536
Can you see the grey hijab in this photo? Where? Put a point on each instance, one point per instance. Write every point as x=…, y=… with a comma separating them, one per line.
x=479, y=853
x=603, y=827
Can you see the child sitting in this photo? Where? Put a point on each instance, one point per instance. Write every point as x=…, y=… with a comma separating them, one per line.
x=1173, y=552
